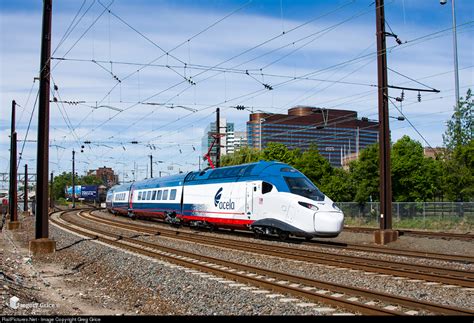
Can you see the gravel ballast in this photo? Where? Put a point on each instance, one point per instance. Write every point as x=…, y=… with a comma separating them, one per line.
x=87, y=277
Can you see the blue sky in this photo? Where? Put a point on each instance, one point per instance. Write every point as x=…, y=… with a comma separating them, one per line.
x=330, y=43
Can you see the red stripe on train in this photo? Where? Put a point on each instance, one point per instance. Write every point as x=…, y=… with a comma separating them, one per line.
x=217, y=220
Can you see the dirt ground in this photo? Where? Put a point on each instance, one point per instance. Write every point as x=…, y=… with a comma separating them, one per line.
x=43, y=288
x=64, y=283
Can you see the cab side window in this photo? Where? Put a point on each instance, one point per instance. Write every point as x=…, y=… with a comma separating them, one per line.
x=266, y=187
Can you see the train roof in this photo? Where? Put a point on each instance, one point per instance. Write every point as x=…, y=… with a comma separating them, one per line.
x=238, y=172
x=120, y=187
x=173, y=180
x=222, y=174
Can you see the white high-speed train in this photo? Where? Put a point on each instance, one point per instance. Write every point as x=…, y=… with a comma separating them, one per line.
x=265, y=197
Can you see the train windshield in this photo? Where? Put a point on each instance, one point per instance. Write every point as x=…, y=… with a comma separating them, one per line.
x=304, y=187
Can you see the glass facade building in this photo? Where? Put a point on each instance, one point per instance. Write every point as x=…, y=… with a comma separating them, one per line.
x=337, y=133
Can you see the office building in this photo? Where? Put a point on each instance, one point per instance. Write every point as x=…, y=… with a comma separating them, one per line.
x=337, y=133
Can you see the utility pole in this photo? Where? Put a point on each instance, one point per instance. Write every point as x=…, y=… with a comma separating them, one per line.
x=73, y=181
x=151, y=166
x=12, y=130
x=25, y=198
x=42, y=243
x=14, y=223
x=455, y=52
x=385, y=234
x=218, y=138
x=51, y=200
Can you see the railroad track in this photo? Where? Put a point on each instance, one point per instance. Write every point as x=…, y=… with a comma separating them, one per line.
x=415, y=233
x=355, y=247
x=354, y=299
x=400, y=269
x=379, y=249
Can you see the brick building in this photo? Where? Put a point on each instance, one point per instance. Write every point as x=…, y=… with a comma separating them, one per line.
x=106, y=174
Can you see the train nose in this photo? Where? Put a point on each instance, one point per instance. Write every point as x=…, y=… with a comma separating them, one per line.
x=328, y=223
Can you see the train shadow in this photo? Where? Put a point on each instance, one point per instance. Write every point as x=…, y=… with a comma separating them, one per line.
x=77, y=242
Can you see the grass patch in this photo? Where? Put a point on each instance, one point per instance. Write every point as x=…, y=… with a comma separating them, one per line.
x=435, y=223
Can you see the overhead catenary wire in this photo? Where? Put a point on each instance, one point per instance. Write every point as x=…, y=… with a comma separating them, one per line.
x=167, y=53
x=84, y=33
x=70, y=28
x=410, y=123
x=176, y=47
x=218, y=65
x=327, y=137
x=257, y=46
x=28, y=129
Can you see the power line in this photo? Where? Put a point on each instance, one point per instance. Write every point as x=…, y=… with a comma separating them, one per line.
x=28, y=128
x=226, y=100
x=84, y=33
x=218, y=65
x=410, y=123
x=70, y=28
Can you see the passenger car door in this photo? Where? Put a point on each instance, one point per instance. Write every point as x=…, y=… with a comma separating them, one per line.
x=249, y=199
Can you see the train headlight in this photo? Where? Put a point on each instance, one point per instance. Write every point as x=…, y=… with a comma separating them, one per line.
x=336, y=207
x=309, y=206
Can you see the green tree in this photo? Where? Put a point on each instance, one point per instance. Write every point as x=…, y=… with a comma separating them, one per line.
x=279, y=152
x=243, y=156
x=65, y=179
x=458, y=140
x=408, y=174
x=458, y=171
x=434, y=172
x=90, y=180
x=59, y=184
x=364, y=173
x=338, y=186
x=314, y=166
x=460, y=128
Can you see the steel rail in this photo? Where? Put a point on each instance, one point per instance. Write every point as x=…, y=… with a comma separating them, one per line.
x=365, y=248
x=199, y=262
x=416, y=233
x=410, y=303
x=430, y=273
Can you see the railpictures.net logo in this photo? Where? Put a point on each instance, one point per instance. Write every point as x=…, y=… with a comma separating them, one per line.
x=15, y=304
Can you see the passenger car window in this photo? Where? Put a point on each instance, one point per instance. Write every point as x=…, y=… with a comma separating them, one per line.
x=139, y=196
x=158, y=196
x=153, y=195
x=165, y=194
x=172, y=194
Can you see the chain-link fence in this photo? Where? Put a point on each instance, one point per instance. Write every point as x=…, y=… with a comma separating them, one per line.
x=444, y=216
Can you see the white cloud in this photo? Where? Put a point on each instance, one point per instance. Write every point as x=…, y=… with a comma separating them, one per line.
x=110, y=39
